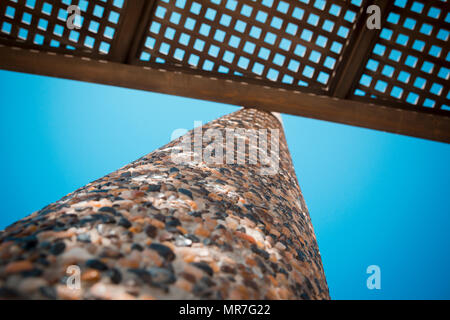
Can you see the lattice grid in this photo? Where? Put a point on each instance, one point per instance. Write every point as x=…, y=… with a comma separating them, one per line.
x=290, y=42
x=410, y=62
x=44, y=23
x=279, y=42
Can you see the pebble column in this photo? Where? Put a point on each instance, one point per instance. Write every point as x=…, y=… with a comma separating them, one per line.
x=155, y=229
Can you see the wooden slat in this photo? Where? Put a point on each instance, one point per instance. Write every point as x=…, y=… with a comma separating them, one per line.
x=133, y=15
x=357, y=54
x=138, y=36
x=406, y=122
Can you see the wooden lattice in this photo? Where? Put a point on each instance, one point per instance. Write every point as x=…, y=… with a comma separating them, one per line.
x=410, y=62
x=39, y=23
x=291, y=42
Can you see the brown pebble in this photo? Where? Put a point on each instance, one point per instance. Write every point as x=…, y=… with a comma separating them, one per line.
x=18, y=266
x=91, y=275
x=202, y=232
x=246, y=237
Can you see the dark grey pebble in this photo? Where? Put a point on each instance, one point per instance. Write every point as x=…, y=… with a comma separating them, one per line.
x=193, y=237
x=185, y=192
x=105, y=218
x=163, y=251
x=137, y=246
x=154, y=187
x=58, y=248
x=300, y=255
x=251, y=217
x=143, y=274
x=261, y=252
x=174, y=222
x=161, y=275
x=203, y=266
x=195, y=214
x=109, y=210
x=228, y=269
x=43, y=261
x=31, y=273
x=29, y=243
x=115, y=276
x=221, y=215
x=151, y=231
x=45, y=245
x=96, y=264
x=124, y=223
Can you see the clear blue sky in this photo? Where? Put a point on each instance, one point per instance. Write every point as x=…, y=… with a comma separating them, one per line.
x=374, y=198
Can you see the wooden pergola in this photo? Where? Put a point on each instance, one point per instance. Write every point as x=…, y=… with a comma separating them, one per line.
x=314, y=58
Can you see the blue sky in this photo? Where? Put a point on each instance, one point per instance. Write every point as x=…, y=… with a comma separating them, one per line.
x=374, y=198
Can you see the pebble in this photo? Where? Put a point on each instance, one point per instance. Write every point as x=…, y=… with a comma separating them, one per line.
x=203, y=266
x=161, y=275
x=58, y=248
x=18, y=266
x=185, y=192
x=137, y=246
x=29, y=243
x=196, y=214
x=192, y=237
x=96, y=264
x=124, y=223
x=34, y=272
x=91, y=275
x=115, y=275
x=202, y=232
x=151, y=231
x=173, y=223
x=154, y=187
x=109, y=210
x=84, y=237
x=181, y=241
x=163, y=251
x=261, y=252
x=228, y=269
x=245, y=237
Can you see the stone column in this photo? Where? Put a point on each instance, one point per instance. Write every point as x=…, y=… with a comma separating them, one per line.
x=161, y=229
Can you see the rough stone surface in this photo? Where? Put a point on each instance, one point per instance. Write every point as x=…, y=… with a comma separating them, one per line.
x=159, y=230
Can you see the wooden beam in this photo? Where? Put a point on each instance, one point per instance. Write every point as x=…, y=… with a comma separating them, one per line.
x=235, y=92
x=134, y=14
x=139, y=32
x=358, y=52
